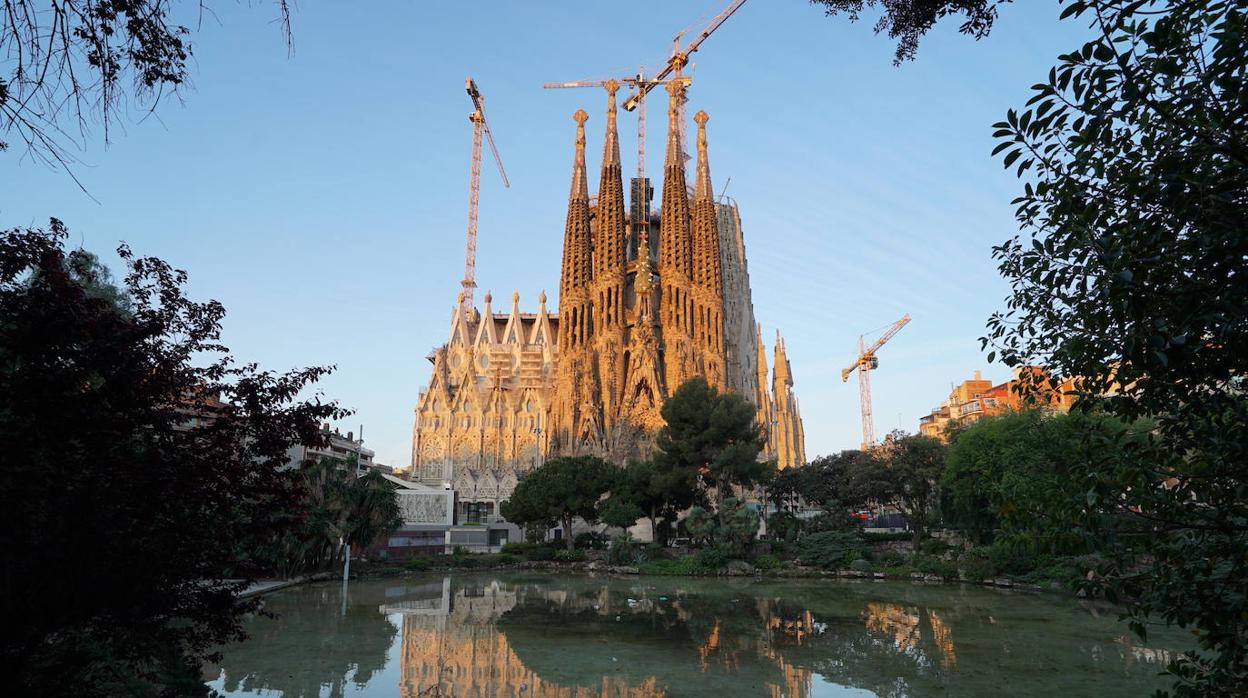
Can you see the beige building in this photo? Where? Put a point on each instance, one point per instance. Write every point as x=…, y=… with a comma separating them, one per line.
x=645, y=303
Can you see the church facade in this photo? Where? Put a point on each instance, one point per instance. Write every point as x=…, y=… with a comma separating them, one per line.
x=647, y=300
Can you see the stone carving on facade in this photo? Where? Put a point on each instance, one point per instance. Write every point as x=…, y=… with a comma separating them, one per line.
x=423, y=508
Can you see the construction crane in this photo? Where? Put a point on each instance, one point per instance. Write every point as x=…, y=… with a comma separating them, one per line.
x=680, y=56
x=866, y=362
x=479, y=127
x=638, y=82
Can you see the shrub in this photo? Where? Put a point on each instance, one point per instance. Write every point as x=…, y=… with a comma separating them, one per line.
x=976, y=564
x=936, y=566
x=860, y=565
x=506, y=559
x=521, y=549
x=569, y=555
x=686, y=566
x=891, y=558
x=767, y=561
x=1015, y=560
x=830, y=549
x=934, y=546
x=591, y=540
x=653, y=551
x=418, y=563
x=872, y=537
x=542, y=553
x=714, y=557
x=623, y=551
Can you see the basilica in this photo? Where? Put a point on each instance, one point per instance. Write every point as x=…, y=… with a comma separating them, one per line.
x=647, y=300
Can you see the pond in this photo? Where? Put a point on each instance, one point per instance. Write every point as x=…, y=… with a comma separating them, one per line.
x=529, y=634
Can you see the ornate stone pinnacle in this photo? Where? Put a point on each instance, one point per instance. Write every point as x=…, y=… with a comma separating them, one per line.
x=580, y=117
x=541, y=298
x=515, y=296
x=701, y=118
x=612, y=85
x=489, y=297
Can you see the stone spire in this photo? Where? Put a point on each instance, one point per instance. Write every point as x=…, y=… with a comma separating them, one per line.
x=574, y=314
x=674, y=245
x=707, y=270
x=675, y=256
x=789, y=433
x=610, y=229
x=610, y=275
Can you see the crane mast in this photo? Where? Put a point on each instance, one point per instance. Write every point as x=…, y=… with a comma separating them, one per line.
x=865, y=362
x=480, y=133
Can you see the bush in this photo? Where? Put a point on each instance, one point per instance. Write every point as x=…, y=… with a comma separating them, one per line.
x=521, y=549
x=976, y=564
x=714, y=557
x=831, y=549
x=418, y=563
x=892, y=558
x=623, y=551
x=872, y=537
x=688, y=565
x=591, y=540
x=936, y=566
x=542, y=553
x=506, y=559
x=569, y=555
x=767, y=561
x=934, y=546
x=860, y=565
x=652, y=551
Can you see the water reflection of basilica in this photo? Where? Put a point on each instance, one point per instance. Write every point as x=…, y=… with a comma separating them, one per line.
x=583, y=637
x=458, y=651
x=452, y=642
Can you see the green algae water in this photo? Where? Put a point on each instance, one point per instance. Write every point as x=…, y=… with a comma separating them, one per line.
x=525, y=635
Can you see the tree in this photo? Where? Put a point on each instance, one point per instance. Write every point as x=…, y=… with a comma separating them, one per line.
x=714, y=435
x=1130, y=278
x=341, y=509
x=910, y=466
x=561, y=490
x=1012, y=470
x=83, y=61
x=137, y=455
x=826, y=482
x=908, y=20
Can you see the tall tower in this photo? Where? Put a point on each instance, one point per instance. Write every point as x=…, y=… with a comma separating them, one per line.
x=610, y=249
x=576, y=409
x=789, y=438
x=675, y=254
x=762, y=399
x=708, y=276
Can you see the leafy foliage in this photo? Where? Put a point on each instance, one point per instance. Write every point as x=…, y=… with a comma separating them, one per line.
x=830, y=549
x=713, y=436
x=339, y=507
x=80, y=61
x=121, y=461
x=561, y=490
x=908, y=20
x=912, y=465
x=1130, y=275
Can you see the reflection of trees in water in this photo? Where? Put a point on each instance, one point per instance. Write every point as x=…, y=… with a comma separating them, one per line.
x=580, y=637
x=309, y=646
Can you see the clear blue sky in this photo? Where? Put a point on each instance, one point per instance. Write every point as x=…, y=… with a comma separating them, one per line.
x=322, y=197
